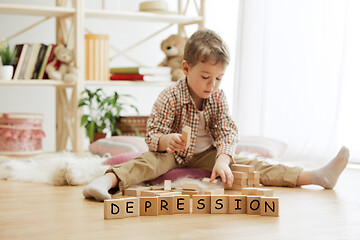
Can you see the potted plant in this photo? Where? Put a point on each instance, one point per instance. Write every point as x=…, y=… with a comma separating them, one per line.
x=7, y=57
x=102, y=112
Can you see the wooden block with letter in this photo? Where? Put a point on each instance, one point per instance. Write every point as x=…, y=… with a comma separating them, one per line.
x=131, y=207
x=242, y=168
x=114, y=208
x=201, y=204
x=269, y=206
x=166, y=205
x=220, y=204
x=237, y=204
x=253, y=205
x=186, y=135
x=181, y=204
x=148, y=206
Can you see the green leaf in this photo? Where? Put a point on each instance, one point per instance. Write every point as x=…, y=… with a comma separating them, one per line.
x=118, y=132
x=91, y=129
x=84, y=119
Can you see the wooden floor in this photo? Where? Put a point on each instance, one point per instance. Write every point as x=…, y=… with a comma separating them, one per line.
x=39, y=211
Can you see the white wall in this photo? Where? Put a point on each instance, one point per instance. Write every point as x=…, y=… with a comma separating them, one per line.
x=221, y=17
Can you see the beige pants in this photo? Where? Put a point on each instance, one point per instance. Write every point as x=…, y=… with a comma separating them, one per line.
x=151, y=165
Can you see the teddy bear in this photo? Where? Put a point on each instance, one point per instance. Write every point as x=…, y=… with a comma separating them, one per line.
x=63, y=66
x=173, y=47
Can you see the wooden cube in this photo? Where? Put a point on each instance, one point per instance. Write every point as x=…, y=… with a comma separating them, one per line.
x=132, y=192
x=190, y=192
x=241, y=182
x=240, y=175
x=249, y=191
x=253, y=205
x=191, y=186
x=207, y=180
x=220, y=204
x=181, y=204
x=242, y=168
x=250, y=182
x=169, y=194
x=201, y=204
x=236, y=187
x=157, y=188
x=167, y=185
x=254, y=175
x=265, y=192
x=114, y=209
x=186, y=135
x=131, y=207
x=148, y=206
x=166, y=205
x=216, y=191
x=151, y=193
x=269, y=206
x=237, y=204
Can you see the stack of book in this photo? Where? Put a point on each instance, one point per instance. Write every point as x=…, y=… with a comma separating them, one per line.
x=31, y=60
x=147, y=74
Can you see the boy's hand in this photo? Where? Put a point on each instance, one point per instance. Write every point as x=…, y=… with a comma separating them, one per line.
x=171, y=143
x=222, y=169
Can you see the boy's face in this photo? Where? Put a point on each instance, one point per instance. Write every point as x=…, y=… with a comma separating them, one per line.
x=203, y=78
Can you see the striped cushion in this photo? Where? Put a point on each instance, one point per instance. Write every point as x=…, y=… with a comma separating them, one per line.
x=118, y=144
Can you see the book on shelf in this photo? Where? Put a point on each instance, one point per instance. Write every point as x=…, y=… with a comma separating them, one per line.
x=32, y=60
x=38, y=62
x=140, y=77
x=141, y=70
x=49, y=56
x=19, y=59
x=25, y=62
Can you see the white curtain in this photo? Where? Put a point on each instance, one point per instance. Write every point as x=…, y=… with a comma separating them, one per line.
x=292, y=71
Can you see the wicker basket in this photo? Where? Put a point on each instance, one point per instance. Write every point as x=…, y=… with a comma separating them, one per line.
x=130, y=125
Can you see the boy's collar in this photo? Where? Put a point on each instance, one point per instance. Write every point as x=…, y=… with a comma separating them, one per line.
x=185, y=94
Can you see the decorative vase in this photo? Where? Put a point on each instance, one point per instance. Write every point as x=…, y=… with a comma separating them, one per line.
x=6, y=72
x=98, y=136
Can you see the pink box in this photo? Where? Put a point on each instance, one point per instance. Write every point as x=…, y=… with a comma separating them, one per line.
x=21, y=133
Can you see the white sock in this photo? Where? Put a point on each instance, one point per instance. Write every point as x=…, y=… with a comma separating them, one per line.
x=328, y=175
x=98, y=189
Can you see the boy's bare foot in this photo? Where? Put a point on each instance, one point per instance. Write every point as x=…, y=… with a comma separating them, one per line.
x=328, y=175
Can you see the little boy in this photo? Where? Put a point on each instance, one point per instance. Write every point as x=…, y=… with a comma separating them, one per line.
x=197, y=102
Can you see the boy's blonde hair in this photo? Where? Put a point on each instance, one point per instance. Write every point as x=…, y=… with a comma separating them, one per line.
x=205, y=45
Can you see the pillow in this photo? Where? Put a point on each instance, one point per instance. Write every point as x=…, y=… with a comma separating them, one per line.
x=263, y=146
x=172, y=175
x=118, y=144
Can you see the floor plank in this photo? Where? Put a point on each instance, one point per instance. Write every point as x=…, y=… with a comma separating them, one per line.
x=40, y=211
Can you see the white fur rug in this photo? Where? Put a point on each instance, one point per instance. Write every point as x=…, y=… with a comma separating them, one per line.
x=65, y=169
x=68, y=169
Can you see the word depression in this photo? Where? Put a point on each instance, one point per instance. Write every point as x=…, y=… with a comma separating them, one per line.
x=203, y=204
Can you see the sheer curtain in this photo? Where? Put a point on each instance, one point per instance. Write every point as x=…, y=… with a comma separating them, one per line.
x=293, y=74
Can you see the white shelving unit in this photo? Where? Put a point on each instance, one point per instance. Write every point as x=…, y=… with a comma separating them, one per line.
x=67, y=112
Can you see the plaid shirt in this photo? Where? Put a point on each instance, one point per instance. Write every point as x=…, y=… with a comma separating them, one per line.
x=175, y=109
